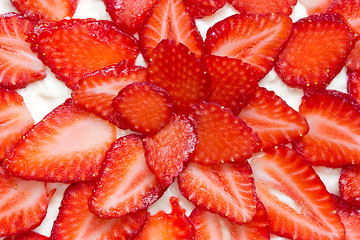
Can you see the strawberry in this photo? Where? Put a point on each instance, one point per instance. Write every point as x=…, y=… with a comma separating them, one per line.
x=168, y=150
x=349, y=185
x=255, y=39
x=316, y=7
x=264, y=6
x=353, y=59
x=168, y=19
x=222, y=137
x=19, y=66
x=73, y=48
x=314, y=55
x=180, y=73
x=296, y=200
x=353, y=84
x=28, y=236
x=202, y=8
x=134, y=102
x=273, y=120
x=334, y=121
x=75, y=221
x=68, y=145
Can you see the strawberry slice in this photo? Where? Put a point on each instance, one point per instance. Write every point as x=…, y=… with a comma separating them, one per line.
x=168, y=150
x=202, y=8
x=43, y=10
x=162, y=226
x=353, y=59
x=75, y=221
x=222, y=137
x=68, y=145
x=19, y=66
x=296, y=200
x=168, y=19
x=316, y=7
x=349, y=185
x=180, y=73
x=28, y=236
x=314, y=55
x=273, y=120
x=73, y=48
x=96, y=91
x=334, y=121
x=264, y=6
x=353, y=84
x=255, y=39
x=15, y=120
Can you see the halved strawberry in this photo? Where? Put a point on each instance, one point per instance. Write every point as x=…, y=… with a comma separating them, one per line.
x=273, y=120
x=226, y=189
x=316, y=7
x=255, y=39
x=314, y=55
x=28, y=236
x=73, y=48
x=202, y=8
x=168, y=19
x=168, y=150
x=353, y=84
x=349, y=185
x=19, y=66
x=334, y=136
x=264, y=6
x=75, y=221
x=68, y=145
x=222, y=137
x=296, y=200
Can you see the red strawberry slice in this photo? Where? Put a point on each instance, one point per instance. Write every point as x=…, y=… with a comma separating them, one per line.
x=353, y=59
x=180, y=73
x=144, y=107
x=296, y=200
x=168, y=19
x=255, y=39
x=349, y=185
x=15, y=120
x=226, y=189
x=202, y=8
x=19, y=66
x=73, y=48
x=316, y=7
x=264, y=6
x=68, y=145
x=168, y=150
x=75, y=221
x=28, y=236
x=162, y=226
x=314, y=55
x=334, y=121
x=44, y=10
x=273, y=120
x=23, y=204
x=96, y=91
x=353, y=84
x=222, y=137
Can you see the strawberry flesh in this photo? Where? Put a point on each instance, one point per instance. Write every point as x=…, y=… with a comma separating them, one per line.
x=353, y=85
x=28, y=236
x=202, y=8
x=264, y=6
x=349, y=185
x=316, y=7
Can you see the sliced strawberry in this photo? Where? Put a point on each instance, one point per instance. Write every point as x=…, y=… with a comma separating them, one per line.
x=273, y=120
x=75, y=221
x=353, y=59
x=168, y=19
x=144, y=107
x=349, y=185
x=255, y=39
x=162, y=226
x=314, y=55
x=19, y=66
x=353, y=84
x=96, y=91
x=168, y=150
x=264, y=6
x=222, y=137
x=68, y=145
x=28, y=236
x=334, y=121
x=180, y=73
x=202, y=8
x=296, y=200
x=316, y=7
x=73, y=48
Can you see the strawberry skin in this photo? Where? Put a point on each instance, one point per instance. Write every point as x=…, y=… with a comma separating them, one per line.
x=263, y=6
x=28, y=236
x=202, y=8
x=353, y=85
x=349, y=185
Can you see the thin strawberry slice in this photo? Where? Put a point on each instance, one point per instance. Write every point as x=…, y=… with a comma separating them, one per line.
x=255, y=39
x=314, y=55
x=273, y=120
x=349, y=185
x=43, y=10
x=96, y=91
x=222, y=137
x=28, y=236
x=68, y=145
x=144, y=107
x=180, y=73
x=353, y=59
x=15, y=120
x=73, y=48
x=168, y=19
x=296, y=200
x=168, y=150
x=316, y=7
x=264, y=6
x=202, y=8
x=19, y=66
x=162, y=226
x=23, y=204
x=226, y=189
x=334, y=121
x=353, y=85
x=75, y=221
